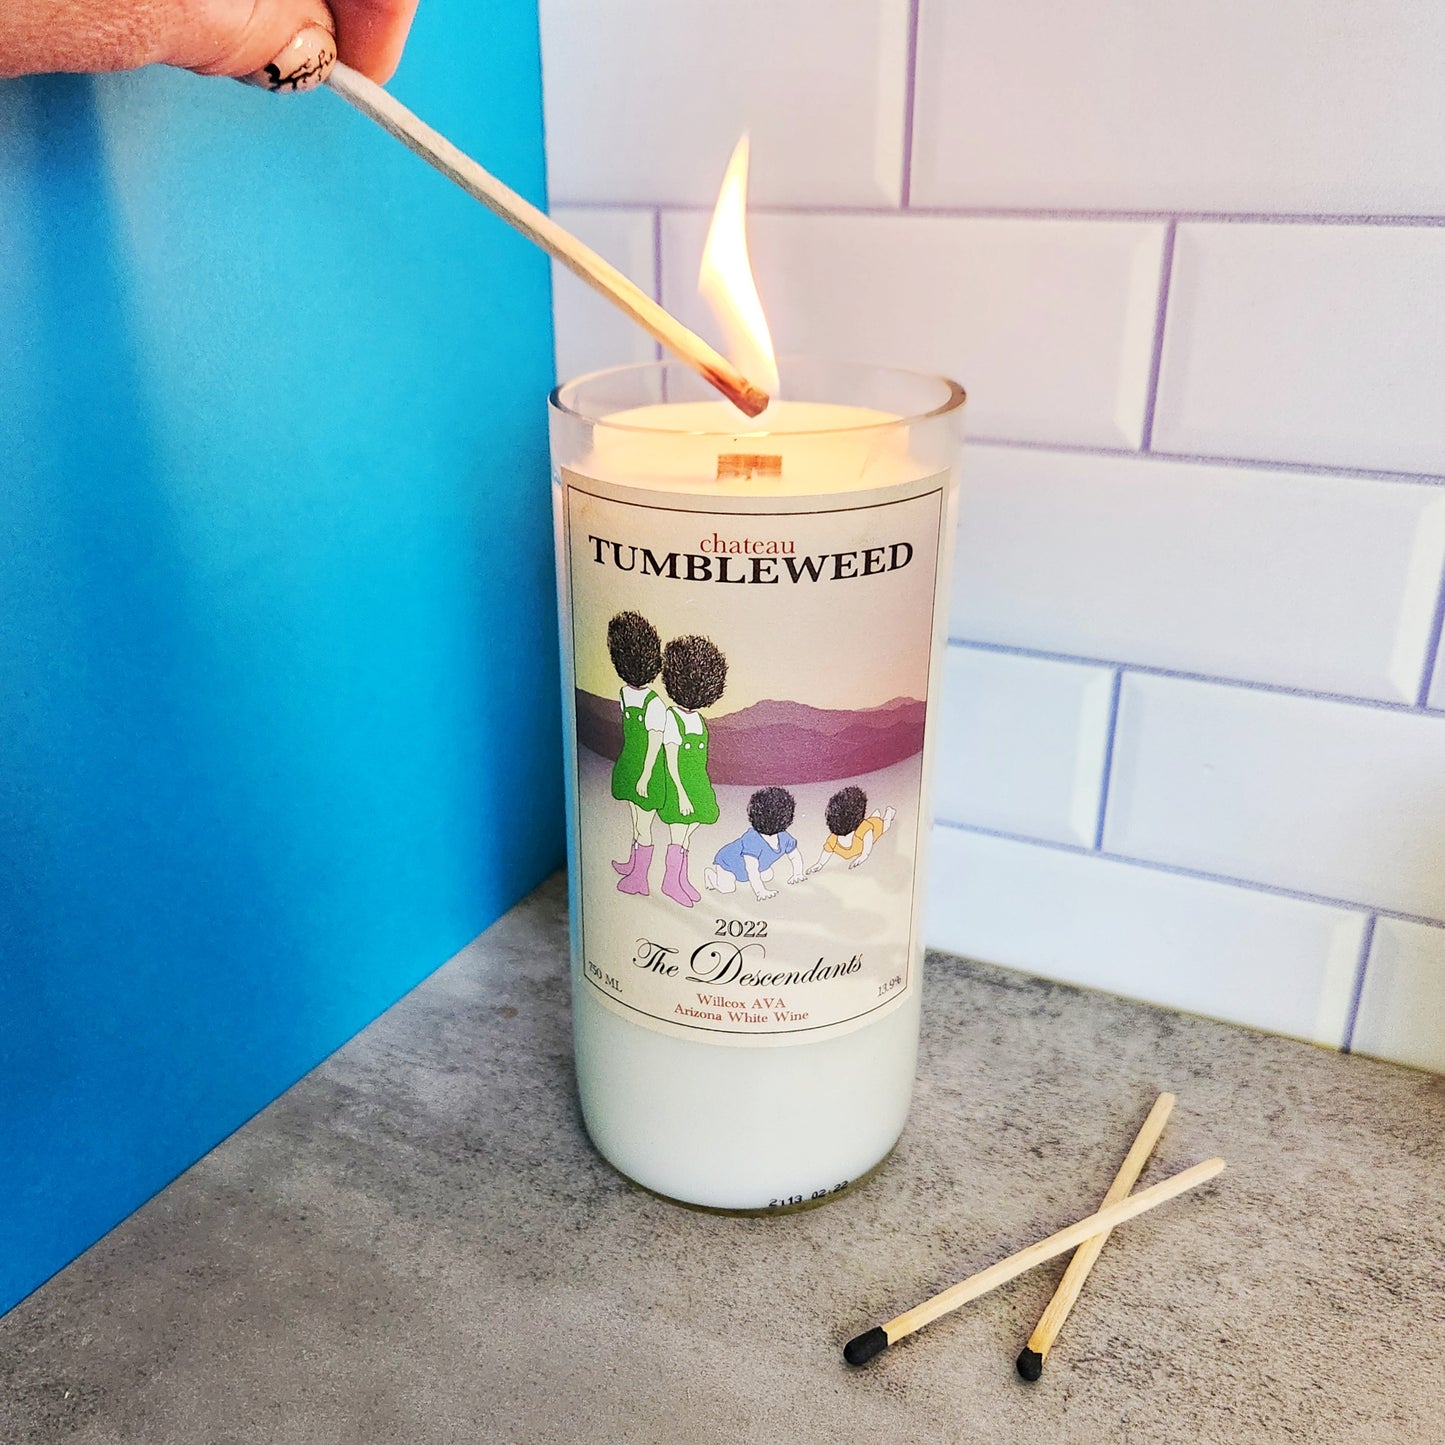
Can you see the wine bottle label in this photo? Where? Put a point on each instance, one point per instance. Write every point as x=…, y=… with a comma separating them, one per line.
x=750, y=682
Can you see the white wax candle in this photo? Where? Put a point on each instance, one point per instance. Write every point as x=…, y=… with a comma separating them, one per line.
x=824, y=448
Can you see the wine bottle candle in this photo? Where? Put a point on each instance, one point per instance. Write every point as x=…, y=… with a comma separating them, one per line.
x=752, y=619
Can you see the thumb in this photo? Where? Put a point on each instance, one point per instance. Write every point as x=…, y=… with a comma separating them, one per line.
x=286, y=44
x=280, y=44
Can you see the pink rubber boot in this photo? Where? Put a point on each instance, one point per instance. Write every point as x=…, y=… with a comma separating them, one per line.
x=636, y=880
x=685, y=881
x=625, y=868
x=672, y=876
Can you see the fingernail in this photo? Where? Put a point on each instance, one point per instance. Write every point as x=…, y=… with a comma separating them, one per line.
x=302, y=64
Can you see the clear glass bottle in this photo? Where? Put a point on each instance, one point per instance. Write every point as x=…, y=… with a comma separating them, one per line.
x=752, y=622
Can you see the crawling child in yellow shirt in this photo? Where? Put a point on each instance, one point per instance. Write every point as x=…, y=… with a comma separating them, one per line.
x=852, y=829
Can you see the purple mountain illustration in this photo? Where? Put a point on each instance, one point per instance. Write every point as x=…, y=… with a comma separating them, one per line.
x=781, y=743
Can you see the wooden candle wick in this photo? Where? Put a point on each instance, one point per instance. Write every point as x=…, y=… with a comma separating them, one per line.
x=539, y=228
x=732, y=466
x=1031, y=1357
x=862, y=1348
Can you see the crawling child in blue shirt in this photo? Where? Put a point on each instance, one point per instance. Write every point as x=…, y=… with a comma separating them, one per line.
x=752, y=858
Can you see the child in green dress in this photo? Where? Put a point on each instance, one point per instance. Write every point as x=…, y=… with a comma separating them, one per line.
x=694, y=673
x=636, y=652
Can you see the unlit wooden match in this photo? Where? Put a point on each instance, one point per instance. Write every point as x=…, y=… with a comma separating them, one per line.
x=1031, y=1357
x=538, y=227
x=862, y=1348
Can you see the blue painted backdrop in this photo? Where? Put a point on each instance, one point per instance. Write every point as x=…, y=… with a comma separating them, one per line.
x=278, y=705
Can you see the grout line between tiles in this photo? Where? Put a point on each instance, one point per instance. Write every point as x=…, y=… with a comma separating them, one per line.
x=1108, y=771
x=909, y=97
x=1357, y=992
x=1039, y=213
x=1432, y=646
x=1150, y=670
x=657, y=268
x=1156, y=356
x=1201, y=875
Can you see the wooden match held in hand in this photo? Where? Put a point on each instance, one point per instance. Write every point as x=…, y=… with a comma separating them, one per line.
x=1031, y=1357
x=436, y=150
x=862, y=1348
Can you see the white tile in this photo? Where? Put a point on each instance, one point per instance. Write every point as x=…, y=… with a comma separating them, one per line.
x=1048, y=324
x=1402, y=1006
x=1331, y=798
x=1290, y=106
x=646, y=98
x=1210, y=948
x=592, y=333
x=1307, y=343
x=1325, y=583
x=1021, y=744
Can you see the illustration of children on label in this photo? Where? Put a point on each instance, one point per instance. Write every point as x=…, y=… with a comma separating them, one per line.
x=636, y=652
x=752, y=858
x=694, y=673
x=852, y=829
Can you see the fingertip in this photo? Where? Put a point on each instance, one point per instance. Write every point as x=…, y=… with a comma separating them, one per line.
x=302, y=63
x=283, y=45
x=371, y=34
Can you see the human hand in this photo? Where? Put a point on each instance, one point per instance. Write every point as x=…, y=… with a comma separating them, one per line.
x=281, y=44
x=765, y=893
x=798, y=878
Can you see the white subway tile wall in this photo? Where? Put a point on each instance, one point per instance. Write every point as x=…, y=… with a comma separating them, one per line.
x=1402, y=1007
x=1055, y=319
x=1190, y=263
x=1322, y=583
x=1022, y=744
x=1329, y=798
x=591, y=333
x=644, y=99
x=1283, y=964
x=1321, y=344
x=1284, y=107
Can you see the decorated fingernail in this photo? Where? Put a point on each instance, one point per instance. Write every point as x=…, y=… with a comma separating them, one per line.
x=302, y=64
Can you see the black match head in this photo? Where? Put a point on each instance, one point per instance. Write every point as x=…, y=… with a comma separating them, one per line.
x=1030, y=1363
x=860, y=1350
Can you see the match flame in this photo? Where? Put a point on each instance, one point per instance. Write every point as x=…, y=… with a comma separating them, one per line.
x=726, y=279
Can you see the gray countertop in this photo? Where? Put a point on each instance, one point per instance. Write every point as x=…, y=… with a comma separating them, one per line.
x=417, y=1244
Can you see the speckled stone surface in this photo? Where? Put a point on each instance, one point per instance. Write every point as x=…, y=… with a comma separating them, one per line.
x=416, y=1244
